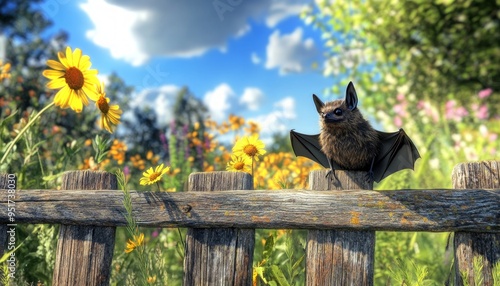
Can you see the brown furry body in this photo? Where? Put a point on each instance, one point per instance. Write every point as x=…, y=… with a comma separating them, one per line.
x=350, y=141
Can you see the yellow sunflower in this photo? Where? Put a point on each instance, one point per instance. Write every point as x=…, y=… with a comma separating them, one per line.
x=136, y=242
x=239, y=164
x=151, y=177
x=72, y=76
x=249, y=146
x=110, y=114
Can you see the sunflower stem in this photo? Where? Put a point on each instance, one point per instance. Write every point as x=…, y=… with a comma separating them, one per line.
x=158, y=185
x=11, y=144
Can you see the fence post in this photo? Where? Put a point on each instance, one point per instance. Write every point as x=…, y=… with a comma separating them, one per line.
x=84, y=253
x=221, y=256
x=470, y=246
x=340, y=257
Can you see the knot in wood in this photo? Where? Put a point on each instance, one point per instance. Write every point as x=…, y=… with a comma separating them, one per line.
x=186, y=208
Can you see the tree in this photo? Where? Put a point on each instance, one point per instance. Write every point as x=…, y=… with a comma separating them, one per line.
x=433, y=48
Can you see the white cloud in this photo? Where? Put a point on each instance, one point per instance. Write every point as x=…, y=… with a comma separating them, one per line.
x=160, y=99
x=252, y=98
x=289, y=52
x=280, y=10
x=219, y=101
x=255, y=58
x=142, y=29
x=276, y=120
x=119, y=37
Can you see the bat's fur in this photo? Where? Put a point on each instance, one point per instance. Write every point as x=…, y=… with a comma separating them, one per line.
x=350, y=141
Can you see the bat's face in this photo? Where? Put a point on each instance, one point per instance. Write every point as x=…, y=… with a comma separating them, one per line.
x=338, y=111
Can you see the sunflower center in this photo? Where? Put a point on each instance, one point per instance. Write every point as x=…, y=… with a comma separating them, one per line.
x=74, y=78
x=250, y=150
x=153, y=176
x=102, y=103
x=239, y=165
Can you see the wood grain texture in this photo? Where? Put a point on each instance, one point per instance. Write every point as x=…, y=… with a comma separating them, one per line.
x=340, y=257
x=220, y=256
x=482, y=246
x=473, y=210
x=84, y=253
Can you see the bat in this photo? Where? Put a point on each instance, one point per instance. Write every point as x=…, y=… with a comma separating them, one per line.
x=348, y=142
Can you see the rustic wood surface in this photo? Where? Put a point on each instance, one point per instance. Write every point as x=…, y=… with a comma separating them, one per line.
x=482, y=246
x=402, y=210
x=84, y=253
x=340, y=257
x=220, y=256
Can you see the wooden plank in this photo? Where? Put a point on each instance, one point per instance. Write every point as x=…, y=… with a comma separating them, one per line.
x=84, y=253
x=483, y=247
x=340, y=257
x=403, y=210
x=220, y=256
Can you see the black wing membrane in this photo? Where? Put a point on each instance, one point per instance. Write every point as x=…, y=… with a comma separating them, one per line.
x=397, y=152
x=308, y=146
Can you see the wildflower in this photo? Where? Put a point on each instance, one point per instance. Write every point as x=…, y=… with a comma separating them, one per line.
x=151, y=177
x=250, y=146
x=239, y=164
x=138, y=162
x=4, y=70
x=485, y=93
x=236, y=122
x=136, y=242
x=117, y=151
x=72, y=76
x=110, y=114
x=151, y=279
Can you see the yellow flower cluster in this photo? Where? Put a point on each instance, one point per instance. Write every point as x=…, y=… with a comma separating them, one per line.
x=76, y=82
x=4, y=70
x=245, y=152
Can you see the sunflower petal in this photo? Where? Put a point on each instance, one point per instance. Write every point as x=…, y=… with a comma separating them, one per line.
x=56, y=83
x=69, y=57
x=53, y=74
x=63, y=59
x=77, y=54
x=85, y=63
x=55, y=65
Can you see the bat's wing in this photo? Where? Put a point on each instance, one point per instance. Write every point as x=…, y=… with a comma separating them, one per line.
x=397, y=152
x=308, y=146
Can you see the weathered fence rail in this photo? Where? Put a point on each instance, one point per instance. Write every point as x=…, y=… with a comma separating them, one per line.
x=221, y=212
x=403, y=210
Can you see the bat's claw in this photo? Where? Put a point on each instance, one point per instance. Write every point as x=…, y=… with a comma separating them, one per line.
x=371, y=175
x=335, y=180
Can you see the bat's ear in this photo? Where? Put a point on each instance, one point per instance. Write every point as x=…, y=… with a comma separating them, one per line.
x=319, y=104
x=351, y=98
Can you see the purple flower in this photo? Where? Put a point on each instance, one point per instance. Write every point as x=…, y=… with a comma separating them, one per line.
x=126, y=171
x=485, y=93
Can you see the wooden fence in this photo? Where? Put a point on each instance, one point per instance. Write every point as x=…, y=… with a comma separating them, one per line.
x=222, y=213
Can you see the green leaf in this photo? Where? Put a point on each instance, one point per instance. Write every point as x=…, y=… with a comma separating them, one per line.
x=278, y=275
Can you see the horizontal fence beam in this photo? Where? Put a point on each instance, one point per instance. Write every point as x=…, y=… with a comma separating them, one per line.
x=475, y=210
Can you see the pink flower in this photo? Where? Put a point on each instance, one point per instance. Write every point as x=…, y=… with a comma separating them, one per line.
x=482, y=112
x=400, y=97
x=485, y=93
x=398, y=121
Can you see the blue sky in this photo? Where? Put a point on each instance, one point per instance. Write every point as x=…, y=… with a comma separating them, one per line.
x=250, y=58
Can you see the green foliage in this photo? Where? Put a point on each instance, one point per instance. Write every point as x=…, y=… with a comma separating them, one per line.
x=101, y=148
x=280, y=260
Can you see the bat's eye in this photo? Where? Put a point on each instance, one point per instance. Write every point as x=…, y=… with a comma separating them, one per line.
x=337, y=112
